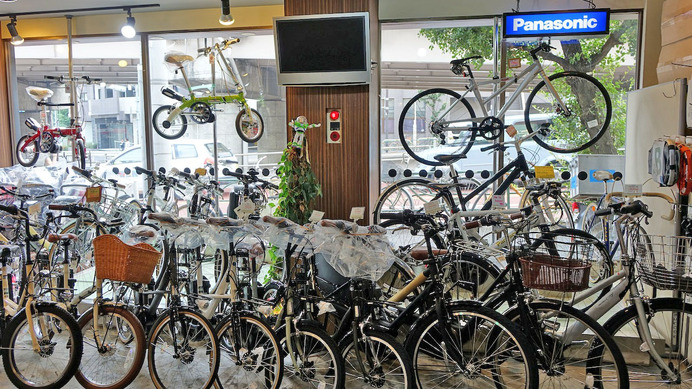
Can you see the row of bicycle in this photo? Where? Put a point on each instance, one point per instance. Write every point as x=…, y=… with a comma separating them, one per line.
x=456, y=341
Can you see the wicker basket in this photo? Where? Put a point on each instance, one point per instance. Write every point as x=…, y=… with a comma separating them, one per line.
x=118, y=261
x=546, y=272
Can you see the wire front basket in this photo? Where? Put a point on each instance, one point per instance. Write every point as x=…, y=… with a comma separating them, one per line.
x=665, y=262
x=557, y=261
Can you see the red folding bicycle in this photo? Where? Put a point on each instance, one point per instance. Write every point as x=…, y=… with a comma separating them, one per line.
x=44, y=139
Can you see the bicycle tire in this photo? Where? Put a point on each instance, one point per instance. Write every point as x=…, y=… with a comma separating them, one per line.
x=172, y=132
x=233, y=367
x=614, y=363
x=400, y=361
x=564, y=211
x=661, y=311
x=181, y=366
x=36, y=360
x=426, y=348
x=249, y=131
x=80, y=153
x=114, y=353
x=421, y=190
x=29, y=156
x=600, y=257
x=423, y=101
x=331, y=349
x=571, y=130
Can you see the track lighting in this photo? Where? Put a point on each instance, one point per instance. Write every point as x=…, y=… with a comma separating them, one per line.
x=12, y=28
x=128, y=29
x=226, y=19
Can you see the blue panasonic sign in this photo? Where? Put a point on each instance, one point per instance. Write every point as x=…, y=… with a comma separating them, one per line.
x=560, y=23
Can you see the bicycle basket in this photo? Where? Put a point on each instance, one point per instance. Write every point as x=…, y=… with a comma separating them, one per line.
x=665, y=262
x=557, y=262
x=118, y=261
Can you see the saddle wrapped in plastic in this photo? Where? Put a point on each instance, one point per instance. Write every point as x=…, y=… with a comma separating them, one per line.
x=354, y=251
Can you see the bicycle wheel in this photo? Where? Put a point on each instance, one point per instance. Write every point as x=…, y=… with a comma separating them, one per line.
x=29, y=155
x=166, y=129
x=601, y=263
x=469, y=276
x=183, y=351
x=588, y=115
x=395, y=278
x=409, y=194
x=250, y=353
x=80, y=153
x=436, y=117
x=60, y=348
x=116, y=361
x=249, y=129
x=315, y=358
x=386, y=363
x=555, y=209
x=670, y=322
x=494, y=352
x=568, y=338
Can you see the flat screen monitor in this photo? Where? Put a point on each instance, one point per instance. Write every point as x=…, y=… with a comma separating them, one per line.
x=324, y=49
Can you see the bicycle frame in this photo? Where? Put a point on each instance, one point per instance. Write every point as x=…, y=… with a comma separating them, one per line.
x=536, y=68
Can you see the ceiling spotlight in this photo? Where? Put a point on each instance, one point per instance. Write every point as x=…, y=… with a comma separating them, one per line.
x=12, y=28
x=128, y=30
x=122, y=63
x=226, y=19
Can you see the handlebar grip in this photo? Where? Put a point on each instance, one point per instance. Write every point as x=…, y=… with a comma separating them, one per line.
x=636, y=207
x=60, y=207
x=11, y=209
x=603, y=212
x=472, y=224
x=140, y=170
x=181, y=186
x=397, y=216
x=487, y=148
x=518, y=215
x=52, y=78
x=81, y=171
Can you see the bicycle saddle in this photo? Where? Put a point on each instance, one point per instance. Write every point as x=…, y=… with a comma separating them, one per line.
x=39, y=94
x=602, y=175
x=143, y=231
x=449, y=159
x=224, y=221
x=422, y=254
x=177, y=59
x=463, y=61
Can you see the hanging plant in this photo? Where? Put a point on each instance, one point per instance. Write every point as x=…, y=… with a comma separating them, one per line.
x=299, y=186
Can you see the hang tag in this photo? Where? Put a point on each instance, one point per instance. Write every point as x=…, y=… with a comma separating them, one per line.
x=432, y=207
x=201, y=171
x=499, y=202
x=245, y=209
x=34, y=210
x=547, y=172
x=514, y=63
x=632, y=190
x=93, y=194
x=316, y=216
x=357, y=213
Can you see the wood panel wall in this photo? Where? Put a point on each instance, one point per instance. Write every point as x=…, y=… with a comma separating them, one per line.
x=342, y=169
x=6, y=144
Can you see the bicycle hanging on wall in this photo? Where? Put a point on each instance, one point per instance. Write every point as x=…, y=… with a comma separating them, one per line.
x=170, y=121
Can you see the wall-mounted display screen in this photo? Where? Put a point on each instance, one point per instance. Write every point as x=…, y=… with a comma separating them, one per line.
x=323, y=49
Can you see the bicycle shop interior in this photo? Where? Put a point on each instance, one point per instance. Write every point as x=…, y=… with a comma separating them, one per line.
x=382, y=150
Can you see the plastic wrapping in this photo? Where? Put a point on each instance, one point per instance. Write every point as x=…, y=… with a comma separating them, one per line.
x=140, y=234
x=221, y=237
x=286, y=232
x=363, y=254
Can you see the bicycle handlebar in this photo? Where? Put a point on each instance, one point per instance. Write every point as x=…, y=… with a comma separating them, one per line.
x=663, y=196
x=83, y=172
x=11, y=209
x=141, y=170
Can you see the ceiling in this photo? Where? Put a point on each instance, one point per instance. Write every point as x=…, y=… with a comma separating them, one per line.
x=20, y=6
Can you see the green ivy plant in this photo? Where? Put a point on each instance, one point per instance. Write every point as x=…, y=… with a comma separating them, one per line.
x=298, y=189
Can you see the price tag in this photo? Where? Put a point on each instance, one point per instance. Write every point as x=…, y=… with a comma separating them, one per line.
x=432, y=207
x=357, y=213
x=499, y=201
x=545, y=172
x=514, y=63
x=201, y=171
x=633, y=190
x=93, y=194
x=316, y=216
x=245, y=209
x=34, y=210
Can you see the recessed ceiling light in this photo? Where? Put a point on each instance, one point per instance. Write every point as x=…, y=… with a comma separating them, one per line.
x=248, y=34
x=122, y=63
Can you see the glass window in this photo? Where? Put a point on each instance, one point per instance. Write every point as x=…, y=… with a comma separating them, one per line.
x=184, y=151
x=133, y=155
